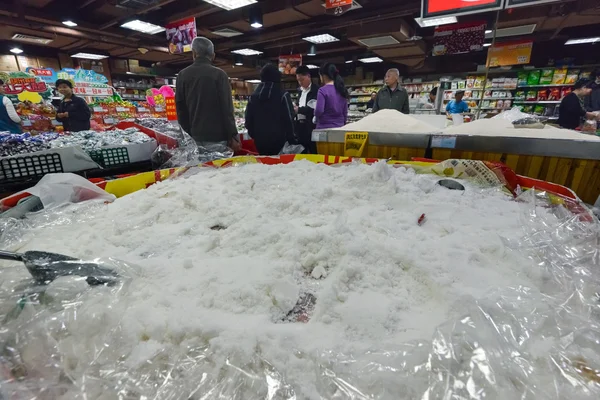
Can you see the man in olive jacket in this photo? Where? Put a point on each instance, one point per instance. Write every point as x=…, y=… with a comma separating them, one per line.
x=392, y=96
x=203, y=99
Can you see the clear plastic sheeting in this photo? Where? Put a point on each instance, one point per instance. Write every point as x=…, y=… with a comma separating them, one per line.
x=516, y=343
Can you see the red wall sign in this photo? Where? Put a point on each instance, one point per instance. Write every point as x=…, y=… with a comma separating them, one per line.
x=337, y=7
x=433, y=8
x=15, y=86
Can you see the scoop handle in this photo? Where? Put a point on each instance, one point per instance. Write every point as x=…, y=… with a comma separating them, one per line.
x=8, y=255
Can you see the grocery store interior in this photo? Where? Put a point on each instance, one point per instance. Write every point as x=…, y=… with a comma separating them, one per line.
x=299, y=199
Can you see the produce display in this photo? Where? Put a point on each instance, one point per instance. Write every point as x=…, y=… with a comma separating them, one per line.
x=109, y=111
x=38, y=118
x=389, y=286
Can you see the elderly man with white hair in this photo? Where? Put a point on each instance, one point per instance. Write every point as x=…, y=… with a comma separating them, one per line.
x=392, y=95
x=203, y=98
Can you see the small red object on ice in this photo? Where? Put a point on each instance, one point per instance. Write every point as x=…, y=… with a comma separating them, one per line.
x=421, y=220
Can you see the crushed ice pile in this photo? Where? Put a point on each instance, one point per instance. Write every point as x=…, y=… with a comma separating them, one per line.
x=490, y=298
x=92, y=140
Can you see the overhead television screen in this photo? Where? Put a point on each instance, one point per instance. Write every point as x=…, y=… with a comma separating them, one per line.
x=441, y=8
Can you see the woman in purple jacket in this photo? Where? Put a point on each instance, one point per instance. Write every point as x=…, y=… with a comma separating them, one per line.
x=332, y=100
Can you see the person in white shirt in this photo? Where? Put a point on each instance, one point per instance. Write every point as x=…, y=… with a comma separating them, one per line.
x=305, y=110
x=9, y=119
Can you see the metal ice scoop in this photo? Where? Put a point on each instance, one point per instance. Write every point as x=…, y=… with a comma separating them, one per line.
x=46, y=267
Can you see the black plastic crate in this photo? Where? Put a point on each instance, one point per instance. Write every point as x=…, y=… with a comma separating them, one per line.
x=108, y=158
x=30, y=166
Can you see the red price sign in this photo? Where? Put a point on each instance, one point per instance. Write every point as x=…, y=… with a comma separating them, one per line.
x=433, y=8
x=171, y=108
x=337, y=7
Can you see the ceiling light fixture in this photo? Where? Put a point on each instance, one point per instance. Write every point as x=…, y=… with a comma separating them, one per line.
x=230, y=4
x=311, y=66
x=70, y=23
x=247, y=52
x=487, y=32
x=312, y=50
x=519, y=30
x=16, y=50
x=256, y=17
x=487, y=44
x=227, y=32
x=370, y=60
x=428, y=22
x=239, y=60
x=89, y=56
x=583, y=41
x=144, y=27
x=320, y=39
x=253, y=81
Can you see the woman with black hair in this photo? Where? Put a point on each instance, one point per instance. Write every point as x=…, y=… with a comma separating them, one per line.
x=332, y=100
x=72, y=111
x=270, y=113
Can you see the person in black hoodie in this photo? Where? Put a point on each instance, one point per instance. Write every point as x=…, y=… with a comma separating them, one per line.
x=270, y=113
x=306, y=109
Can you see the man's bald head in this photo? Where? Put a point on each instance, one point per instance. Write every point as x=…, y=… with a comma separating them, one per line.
x=392, y=77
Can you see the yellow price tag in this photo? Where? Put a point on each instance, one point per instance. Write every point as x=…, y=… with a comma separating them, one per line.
x=355, y=143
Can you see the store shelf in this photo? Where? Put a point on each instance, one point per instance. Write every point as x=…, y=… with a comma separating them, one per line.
x=481, y=89
x=557, y=85
x=537, y=102
x=494, y=108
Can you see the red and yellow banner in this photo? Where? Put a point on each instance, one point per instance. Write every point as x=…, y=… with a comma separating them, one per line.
x=513, y=53
x=337, y=3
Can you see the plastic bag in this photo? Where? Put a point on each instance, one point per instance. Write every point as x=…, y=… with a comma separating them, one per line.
x=513, y=114
x=292, y=148
x=590, y=126
x=55, y=190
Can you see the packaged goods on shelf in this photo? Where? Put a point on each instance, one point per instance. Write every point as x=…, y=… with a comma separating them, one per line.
x=559, y=76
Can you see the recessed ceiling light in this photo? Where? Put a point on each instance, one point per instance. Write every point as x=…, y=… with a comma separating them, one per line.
x=427, y=22
x=69, y=23
x=583, y=41
x=256, y=17
x=370, y=60
x=230, y=4
x=256, y=25
x=16, y=50
x=320, y=39
x=239, y=60
x=349, y=61
x=488, y=31
x=310, y=66
x=312, y=50
x=253, y=81
x=144, y=27
x=487, y=44
x=89, y=56
x=247, y=52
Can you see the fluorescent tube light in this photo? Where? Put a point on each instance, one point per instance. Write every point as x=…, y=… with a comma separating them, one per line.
x=311, y=66
x=370, y=60
x=89, y=56
x=144, y=27
x=320, y=39
x=247, y=52
x=427, y=22
x=69, y=23
x=230, y=4
x=583, y=41
x=16, y=50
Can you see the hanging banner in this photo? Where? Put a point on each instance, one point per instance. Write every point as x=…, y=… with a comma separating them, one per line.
x=459, y=38
x=21, y=86
x=513, y=53
x=355, y=143
x=86, y=82
x=522, y=3
x=180, y=35
x=435, y=8
x=289, y=64
x=48, y=75
x=337, y=7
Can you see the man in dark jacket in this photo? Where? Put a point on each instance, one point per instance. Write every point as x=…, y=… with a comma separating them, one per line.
x=392, y=96
x=270, y=113
x=592, y=102
x=203, y=99
x=306, y=109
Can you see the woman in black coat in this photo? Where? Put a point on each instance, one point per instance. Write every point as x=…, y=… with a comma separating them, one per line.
x=72, y=111
x=270, y=113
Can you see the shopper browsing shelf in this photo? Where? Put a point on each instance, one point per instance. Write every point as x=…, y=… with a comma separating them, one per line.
x=371, y=102
x=332, y=99
x=270, y=113
x=572, y=109
x=72, y=111
x=306, y=109
x=392, y=96
x=9, y=119
x=203, y=99
x=428, y=103
x=458, y=105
